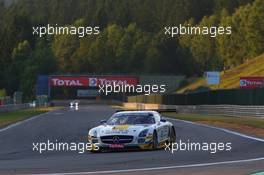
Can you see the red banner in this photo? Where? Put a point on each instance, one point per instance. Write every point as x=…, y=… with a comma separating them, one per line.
x=110, y=80
x=251, y=82
x=87, y=81
x=69, y=81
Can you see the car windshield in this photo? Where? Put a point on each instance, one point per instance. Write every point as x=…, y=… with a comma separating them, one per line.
x=131, y=119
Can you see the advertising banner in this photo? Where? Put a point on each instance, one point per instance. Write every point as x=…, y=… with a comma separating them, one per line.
x=87, y=81
x=65, y=81
x=212, y=78
x=110, y=80
x=251, y=82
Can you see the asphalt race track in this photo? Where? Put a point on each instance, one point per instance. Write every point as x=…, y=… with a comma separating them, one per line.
x=17, y=156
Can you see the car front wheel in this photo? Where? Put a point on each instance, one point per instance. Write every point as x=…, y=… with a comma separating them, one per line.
x=155, y=141
x=172, y=135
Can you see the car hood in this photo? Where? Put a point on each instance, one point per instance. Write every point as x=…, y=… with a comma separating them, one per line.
x=105, y=130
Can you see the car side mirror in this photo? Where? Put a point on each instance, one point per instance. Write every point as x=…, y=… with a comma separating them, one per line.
x=103, y=121
x=163, y=120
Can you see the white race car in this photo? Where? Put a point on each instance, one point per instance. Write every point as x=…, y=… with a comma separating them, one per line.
x=145, y=130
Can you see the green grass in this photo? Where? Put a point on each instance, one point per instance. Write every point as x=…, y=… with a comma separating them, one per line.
x=244, y=121
x=8, y=118
x=230, y=78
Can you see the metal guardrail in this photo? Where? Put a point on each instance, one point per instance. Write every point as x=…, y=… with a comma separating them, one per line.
x=14, y=107
x=228, y=110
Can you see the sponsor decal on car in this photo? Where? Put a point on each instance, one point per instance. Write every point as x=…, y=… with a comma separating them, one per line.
x=121, y=127
x=116, y=146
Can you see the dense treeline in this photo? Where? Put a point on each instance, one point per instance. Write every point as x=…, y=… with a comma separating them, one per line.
x=131, y=38
x=226, y=51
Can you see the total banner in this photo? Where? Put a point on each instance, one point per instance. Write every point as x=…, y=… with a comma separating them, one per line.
x=110, y=80
x=251, y=82
x=87, y=81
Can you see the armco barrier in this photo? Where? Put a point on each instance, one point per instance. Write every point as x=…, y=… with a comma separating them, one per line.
x=14, y=107
x=215, y=97
x=228, y=110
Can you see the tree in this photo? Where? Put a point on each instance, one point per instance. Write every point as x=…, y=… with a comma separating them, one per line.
x=255, y=28
x=13, y=74
x=131, y=38
x=3, y=93
x=41, y=62
x=153, y=60
x=246, y=40
x=64, y=47
x=203, y=46
x=229, y=6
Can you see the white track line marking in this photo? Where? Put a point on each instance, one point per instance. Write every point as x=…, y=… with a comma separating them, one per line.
x=23, y=121
x=159, y=168
x=221, y=129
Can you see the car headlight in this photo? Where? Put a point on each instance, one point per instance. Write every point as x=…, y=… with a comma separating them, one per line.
x=143, y=133
x=93, y=134
x=92, y=137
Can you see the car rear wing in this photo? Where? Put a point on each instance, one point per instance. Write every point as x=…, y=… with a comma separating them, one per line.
x=157, y=110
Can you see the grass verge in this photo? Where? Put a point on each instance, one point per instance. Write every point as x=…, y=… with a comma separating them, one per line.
x=230, y=78
x=7, y=118
x=248, y=125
